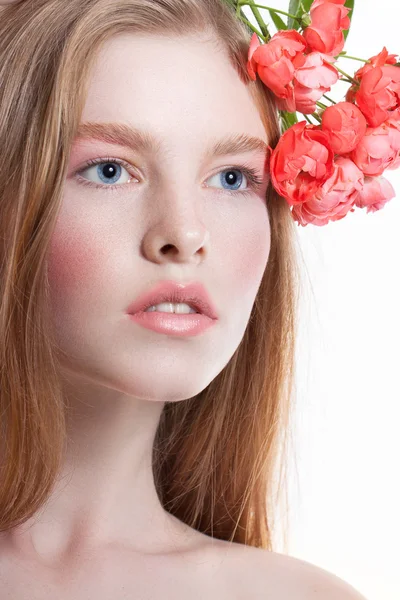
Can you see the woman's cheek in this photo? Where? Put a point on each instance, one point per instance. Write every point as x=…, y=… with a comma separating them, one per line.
x=73, y=262
x=251, y=249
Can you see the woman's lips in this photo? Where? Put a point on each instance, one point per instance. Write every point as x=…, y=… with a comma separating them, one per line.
x=193, y=294
x=181, y=325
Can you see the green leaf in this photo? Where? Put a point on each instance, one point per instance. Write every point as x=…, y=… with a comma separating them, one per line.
x=288, y=119
x=349, y=4
x=278, y=22
x=298, y=8
x=293, y=8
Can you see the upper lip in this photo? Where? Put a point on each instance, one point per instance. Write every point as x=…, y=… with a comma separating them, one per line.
x=193, y=294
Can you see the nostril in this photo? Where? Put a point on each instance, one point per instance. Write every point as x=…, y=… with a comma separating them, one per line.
x=166, y=248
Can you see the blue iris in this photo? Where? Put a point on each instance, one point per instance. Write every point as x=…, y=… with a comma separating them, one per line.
x=111, y=172
x=232, y=177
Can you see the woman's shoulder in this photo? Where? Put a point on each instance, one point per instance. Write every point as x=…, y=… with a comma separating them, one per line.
x=259, y=574
x=204, y=568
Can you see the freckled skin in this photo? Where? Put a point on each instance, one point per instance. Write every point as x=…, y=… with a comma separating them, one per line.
x=109, y=247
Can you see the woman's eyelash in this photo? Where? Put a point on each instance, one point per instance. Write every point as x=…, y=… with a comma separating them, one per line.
x=250, y=173
x=98, y=161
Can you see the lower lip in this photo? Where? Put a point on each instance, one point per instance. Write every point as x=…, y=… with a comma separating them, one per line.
x=172, y=323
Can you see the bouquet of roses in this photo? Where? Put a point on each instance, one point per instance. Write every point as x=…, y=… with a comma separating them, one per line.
x=332, y=161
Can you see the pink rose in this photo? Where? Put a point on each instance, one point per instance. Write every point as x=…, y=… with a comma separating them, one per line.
x=379, y=94
x=301, y=162
x=345, y=125
x=375, y=193
x=313, y=77
x=381, y=59
x=306, y=98
x=273, y=62
x=379, y=148
x=328, y=21
x=335, y=198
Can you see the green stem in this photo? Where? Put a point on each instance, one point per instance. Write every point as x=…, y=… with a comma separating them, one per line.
x=240, y=15
x=330, y=99
x=350, y=79
x=309, y=120
x=251, y=26
x=282, y=12
x=321, y=105
x=316, y=117
x=353, y=58
x=258, y=17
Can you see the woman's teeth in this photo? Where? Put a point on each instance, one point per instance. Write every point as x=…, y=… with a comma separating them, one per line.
x=172, y=308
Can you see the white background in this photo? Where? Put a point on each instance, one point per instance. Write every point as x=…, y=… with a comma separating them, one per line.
x=344, y=480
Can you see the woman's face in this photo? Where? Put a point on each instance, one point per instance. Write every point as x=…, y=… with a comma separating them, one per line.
x=174, y=213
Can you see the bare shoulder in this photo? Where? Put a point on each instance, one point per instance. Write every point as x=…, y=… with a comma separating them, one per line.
x=306, y=581
x=258, y=574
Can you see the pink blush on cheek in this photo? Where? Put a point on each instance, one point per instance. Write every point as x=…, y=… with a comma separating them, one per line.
x=73, y=260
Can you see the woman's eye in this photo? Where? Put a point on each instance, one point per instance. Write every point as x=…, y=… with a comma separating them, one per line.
x=105, y=172
x=230, y=179
x=110, y=173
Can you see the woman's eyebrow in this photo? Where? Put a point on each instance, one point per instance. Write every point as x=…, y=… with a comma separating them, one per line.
x=142, y=140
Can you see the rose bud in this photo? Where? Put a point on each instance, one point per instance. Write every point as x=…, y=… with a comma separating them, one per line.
x=328, y=21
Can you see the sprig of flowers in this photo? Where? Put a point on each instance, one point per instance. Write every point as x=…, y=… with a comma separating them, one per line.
x=326, y=169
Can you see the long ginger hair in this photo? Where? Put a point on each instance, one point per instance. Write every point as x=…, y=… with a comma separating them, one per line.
x=219, y=458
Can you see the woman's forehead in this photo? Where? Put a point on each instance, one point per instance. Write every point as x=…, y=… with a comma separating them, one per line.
x=167, y=83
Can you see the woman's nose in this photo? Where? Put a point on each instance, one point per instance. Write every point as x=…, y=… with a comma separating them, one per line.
x=177, y=234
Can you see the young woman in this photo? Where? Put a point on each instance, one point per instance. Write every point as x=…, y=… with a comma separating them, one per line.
x=140, y=449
